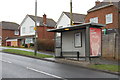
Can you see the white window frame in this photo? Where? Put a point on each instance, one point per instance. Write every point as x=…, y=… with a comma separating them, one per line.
x=29, y=40
x=94, y=20
x=109, y=18
x=31, y=29
x=23, y=30
x=16, y=32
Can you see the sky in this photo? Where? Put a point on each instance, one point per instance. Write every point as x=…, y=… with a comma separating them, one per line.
x=16, y=10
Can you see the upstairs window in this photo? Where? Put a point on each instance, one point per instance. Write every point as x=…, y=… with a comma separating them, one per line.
x=109, y=18
x=23, y=30
x=31, y=29
x=16, y=33
x=94, y=20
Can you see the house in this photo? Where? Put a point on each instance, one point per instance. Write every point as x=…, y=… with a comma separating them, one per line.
x=105, y=12
x=64, y=20
x=8, y=29
x=27, y=32
x=82, y=40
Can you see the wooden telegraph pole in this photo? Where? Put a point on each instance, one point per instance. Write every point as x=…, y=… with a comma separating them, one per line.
x=71, y=15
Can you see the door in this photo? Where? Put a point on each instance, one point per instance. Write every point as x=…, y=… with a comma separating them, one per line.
x=9, y=43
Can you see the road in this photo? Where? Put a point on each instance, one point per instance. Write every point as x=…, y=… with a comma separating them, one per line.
x=14, y=66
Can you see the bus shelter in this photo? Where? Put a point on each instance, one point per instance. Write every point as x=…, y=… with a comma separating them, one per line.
x=83, y=40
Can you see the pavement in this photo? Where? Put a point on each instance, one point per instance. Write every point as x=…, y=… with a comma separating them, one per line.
x=15, y=66
x=80, y=63
x=85, y=64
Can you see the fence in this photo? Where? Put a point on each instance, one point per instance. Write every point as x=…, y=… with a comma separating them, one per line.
x=111, y=46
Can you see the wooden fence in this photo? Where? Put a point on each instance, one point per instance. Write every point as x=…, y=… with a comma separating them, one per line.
x=111, y=46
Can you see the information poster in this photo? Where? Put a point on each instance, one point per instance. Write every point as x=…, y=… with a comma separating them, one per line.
x=78, y=40
x=95, y=42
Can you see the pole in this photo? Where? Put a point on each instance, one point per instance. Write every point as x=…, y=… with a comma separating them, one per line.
x=35, y=43
x=87, y=54
x=71, y=16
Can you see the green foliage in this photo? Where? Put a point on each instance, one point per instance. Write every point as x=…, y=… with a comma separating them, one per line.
x=113, y=68
x=25, y=45
x=31, y=44
x=26, y=53
x=45, y=44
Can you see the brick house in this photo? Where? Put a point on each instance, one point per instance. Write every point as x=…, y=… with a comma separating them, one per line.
x=27, y=32
x=105, y=12
x=8, y=29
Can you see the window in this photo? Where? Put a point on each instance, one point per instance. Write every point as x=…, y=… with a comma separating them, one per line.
x=31, y=29
x=16, y=33
x=28, y=40
x=109, y=18
x=23, y=30
x=78, y=40
x=94, y=20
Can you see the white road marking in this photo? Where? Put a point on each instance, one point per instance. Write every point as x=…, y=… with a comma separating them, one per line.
x=45, y=73
x=5, y=61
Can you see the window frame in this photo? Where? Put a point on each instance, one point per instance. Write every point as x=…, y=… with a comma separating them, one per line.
x=23, y=30
x=109, y=18
x=94, y=20
x=16, y=32
x=31, y=29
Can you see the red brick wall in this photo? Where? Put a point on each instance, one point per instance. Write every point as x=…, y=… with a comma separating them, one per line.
x=101, y=13
x=43, y=34
x=7, y=33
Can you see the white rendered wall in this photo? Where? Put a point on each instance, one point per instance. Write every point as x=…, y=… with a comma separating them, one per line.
x=63, y=21
x=27, y=23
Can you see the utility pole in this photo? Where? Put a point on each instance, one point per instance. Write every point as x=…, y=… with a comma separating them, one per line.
x=71, y=15
x=35, y=43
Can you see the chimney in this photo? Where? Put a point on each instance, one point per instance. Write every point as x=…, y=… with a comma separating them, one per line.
x=97, y=2
x=44, y=19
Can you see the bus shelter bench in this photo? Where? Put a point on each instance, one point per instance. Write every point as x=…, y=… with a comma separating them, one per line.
x=71, y=54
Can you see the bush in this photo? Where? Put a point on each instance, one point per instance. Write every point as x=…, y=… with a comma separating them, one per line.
x=45, y=44
x=26, y=46
x=31, y=44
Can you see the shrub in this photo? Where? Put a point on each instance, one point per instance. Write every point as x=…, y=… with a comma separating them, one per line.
x=45, y=44
x=31, y=44
x=26, y=46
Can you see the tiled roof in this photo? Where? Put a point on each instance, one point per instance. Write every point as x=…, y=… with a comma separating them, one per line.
x=9, y=25
x=76, y=16
x=106, y=3
x=50, y=22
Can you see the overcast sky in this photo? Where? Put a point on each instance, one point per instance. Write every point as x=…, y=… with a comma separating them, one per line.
x=16, y=10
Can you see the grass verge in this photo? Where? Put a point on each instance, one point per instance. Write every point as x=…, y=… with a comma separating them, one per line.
x=26, y=53
x=108, y=67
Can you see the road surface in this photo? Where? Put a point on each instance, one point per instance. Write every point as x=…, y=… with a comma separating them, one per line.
x=14, y=66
